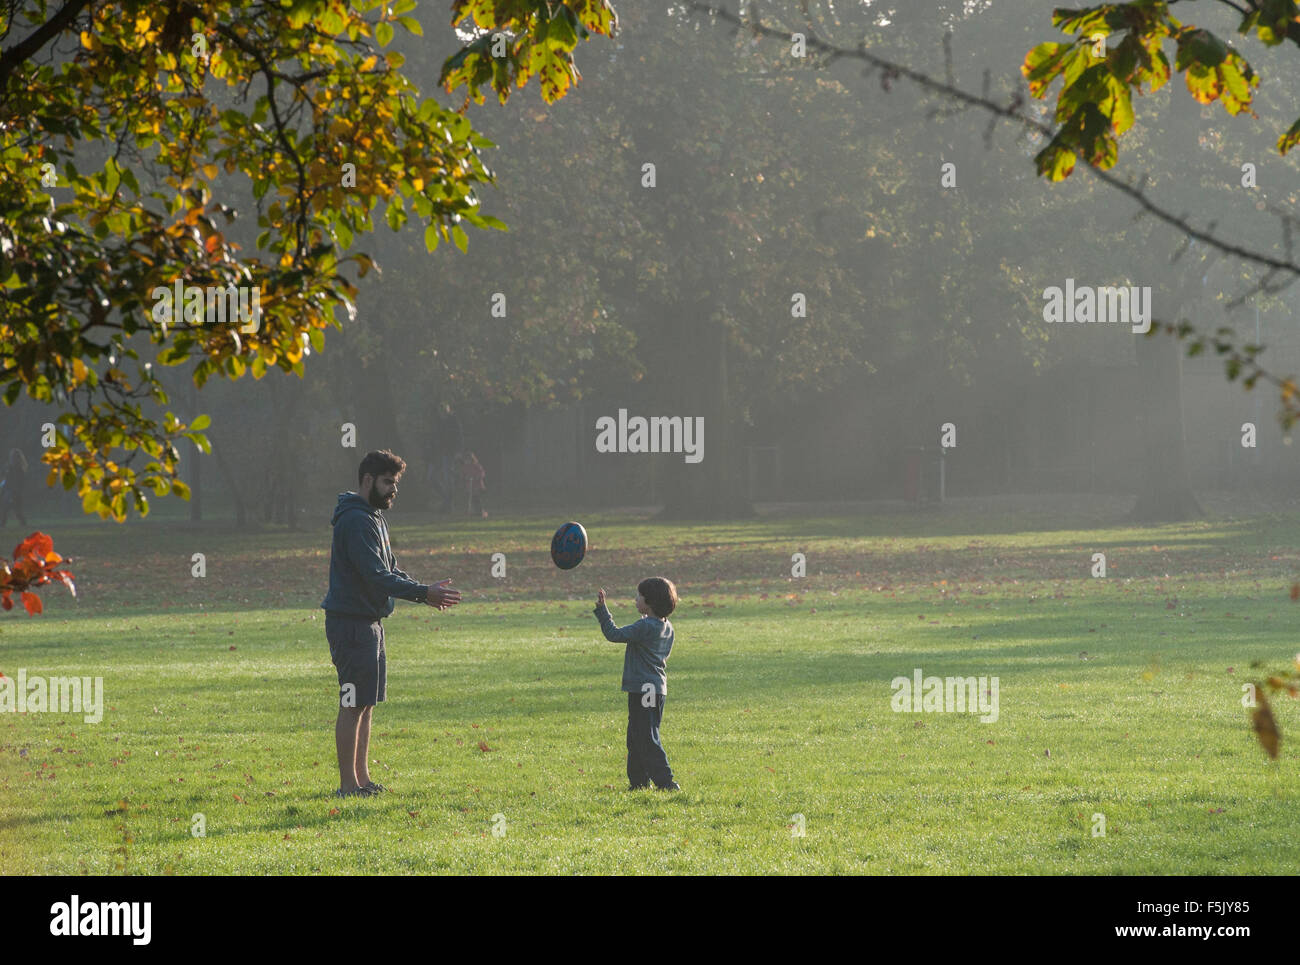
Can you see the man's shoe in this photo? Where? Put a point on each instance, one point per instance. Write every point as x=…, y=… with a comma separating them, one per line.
x=674, y=786
x=375, y=788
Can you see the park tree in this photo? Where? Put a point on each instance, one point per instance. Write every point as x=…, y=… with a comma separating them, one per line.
x=1117, y=51
x=180, y=105
x=1112, y=53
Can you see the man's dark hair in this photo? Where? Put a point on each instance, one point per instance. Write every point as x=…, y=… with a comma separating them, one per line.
x=378, y=462
x=659, y=594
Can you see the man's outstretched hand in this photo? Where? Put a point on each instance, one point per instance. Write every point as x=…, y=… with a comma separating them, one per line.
x=441, y=596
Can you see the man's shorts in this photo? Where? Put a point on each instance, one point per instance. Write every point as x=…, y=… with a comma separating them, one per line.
x=357, y=649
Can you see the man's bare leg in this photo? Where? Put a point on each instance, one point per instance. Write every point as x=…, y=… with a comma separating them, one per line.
x=361, y=764
x=346, y=743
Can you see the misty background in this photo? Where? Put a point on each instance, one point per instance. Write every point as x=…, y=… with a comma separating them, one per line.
x=776, y=177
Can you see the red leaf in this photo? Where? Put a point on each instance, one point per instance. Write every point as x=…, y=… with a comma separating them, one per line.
x=38, y=545
x=32, y=602
x=483, y=746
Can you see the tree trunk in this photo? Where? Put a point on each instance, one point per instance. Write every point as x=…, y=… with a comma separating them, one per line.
x=711, y=488
x=196, y=466
x=283, y=489
x=241, y=508
x=1166, y=494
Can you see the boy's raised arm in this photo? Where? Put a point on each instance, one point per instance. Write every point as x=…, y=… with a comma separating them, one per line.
x=613, y=634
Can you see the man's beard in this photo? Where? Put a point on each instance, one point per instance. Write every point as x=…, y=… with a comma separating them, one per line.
x=381, y=502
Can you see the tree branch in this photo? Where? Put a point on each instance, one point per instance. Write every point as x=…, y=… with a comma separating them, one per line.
x=28, y=46
x=1011, y=111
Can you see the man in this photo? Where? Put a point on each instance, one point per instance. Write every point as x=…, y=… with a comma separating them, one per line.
x=364, y=578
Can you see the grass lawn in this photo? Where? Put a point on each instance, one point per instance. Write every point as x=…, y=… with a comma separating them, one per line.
x=1118, y=696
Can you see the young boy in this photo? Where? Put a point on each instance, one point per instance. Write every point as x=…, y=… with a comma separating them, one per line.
x=645, y=679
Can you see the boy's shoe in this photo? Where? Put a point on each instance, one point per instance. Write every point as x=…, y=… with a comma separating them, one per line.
x=674, y=786
x=375, y=788
x=638, y=787
x=355, y=792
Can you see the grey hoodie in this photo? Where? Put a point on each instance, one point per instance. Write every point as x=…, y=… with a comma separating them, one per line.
x=649, y=642
x=364, y=576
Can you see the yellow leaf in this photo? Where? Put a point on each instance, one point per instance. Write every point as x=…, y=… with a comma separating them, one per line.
x=210, y=170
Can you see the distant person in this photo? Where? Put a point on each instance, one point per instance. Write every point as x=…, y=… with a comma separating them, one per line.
x=645, y=679
x=364, y=578
x=11, y=489
x=448, y=440
x=472, y=476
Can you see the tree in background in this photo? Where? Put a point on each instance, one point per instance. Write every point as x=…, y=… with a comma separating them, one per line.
x=298, y=100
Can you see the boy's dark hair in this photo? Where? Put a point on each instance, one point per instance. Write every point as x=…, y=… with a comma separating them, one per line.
x=377, y=462
x=659, y=594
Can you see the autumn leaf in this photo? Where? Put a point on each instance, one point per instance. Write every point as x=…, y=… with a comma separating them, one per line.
x=1265, y=726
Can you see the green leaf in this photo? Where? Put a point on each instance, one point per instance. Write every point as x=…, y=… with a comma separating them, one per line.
x=559, y=33
x=332, y=22
x=1056, y=161
x=431, y=237
x=201, y=422
x=1289, y=139
x=383, y=33
x=301, y=13
x=411, y=24
x=458, y=235
x=395, y=214
x=1201, y=47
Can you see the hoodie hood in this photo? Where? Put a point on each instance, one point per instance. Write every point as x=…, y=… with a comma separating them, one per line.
x=348, y=502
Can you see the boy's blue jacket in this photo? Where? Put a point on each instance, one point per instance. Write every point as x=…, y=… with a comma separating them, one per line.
x=649, y=641
x=364, y=576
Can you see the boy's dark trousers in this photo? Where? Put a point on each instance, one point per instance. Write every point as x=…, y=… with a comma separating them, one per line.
x=646, y=760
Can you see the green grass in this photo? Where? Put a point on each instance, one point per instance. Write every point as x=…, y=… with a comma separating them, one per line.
x=220, y=702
